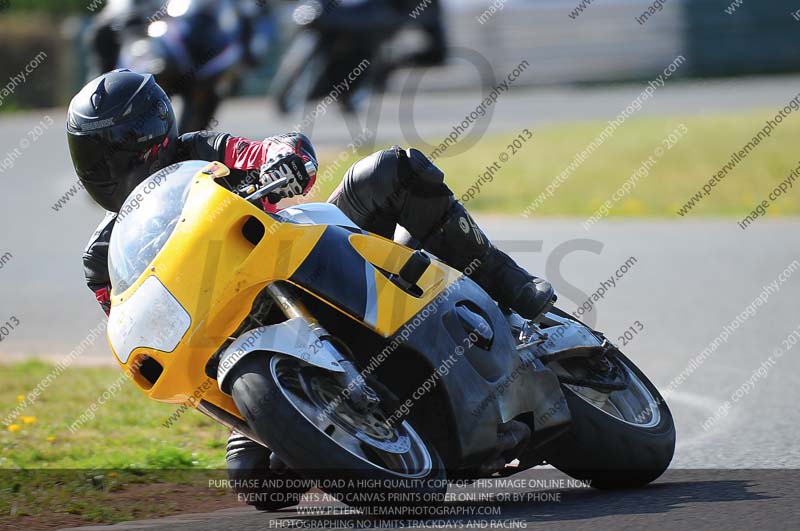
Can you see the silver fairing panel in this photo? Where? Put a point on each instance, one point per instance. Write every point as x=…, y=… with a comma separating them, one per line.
x=316, y=214
x=293, y=338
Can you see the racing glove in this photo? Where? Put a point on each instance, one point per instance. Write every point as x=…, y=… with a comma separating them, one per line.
x=299, y=175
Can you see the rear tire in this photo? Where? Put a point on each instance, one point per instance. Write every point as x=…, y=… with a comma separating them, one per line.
x=307, y=448
x=610, y=453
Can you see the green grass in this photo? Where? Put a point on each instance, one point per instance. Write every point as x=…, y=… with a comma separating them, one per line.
x=682, y=170
x=90, y=472
x=51, y=6
x=126, y=432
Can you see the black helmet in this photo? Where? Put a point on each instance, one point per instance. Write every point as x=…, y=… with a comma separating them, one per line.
x=121, y=128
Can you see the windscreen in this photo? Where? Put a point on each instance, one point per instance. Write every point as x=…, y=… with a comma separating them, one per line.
x=146, y=221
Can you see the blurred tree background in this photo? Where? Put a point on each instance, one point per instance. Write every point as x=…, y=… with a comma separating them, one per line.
x=50, y=7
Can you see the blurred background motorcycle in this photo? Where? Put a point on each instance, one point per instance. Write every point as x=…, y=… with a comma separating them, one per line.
x=358, y=42
x=201, y=50
x=198, y=50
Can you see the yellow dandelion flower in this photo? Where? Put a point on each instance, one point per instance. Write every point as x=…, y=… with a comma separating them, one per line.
x=27, y=420
x=632, y=207
x=13, y=427
x=20, y=398
x=51, y=439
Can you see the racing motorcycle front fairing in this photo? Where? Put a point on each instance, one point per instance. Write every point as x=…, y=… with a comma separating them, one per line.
x=188, y=257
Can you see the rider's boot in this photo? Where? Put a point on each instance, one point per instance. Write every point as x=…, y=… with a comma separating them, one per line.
x=444, y=227
x=461, y=243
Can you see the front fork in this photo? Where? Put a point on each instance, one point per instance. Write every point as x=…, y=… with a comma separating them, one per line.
x=361, y=395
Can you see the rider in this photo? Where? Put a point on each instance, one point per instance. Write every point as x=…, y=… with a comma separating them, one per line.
x=121, y=128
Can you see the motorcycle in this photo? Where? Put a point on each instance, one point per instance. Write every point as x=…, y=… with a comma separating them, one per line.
x=356, y=45
x=349, y=355
x=196, y=50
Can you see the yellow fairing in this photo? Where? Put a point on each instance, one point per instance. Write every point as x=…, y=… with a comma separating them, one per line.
x=215, y=273
x=395, y=306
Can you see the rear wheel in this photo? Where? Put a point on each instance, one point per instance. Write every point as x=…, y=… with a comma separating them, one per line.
x=618, y=439
x=305, y=416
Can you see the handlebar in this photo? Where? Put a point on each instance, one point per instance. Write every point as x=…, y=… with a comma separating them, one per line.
x=264, y=190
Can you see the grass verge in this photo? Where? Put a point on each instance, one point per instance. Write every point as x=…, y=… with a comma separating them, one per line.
x=707, y=145
x=122, y=464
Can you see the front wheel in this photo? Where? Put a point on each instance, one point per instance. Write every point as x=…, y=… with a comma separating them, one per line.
x=305, y=416
x=621, y=439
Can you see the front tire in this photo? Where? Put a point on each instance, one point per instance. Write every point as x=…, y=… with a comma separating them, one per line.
x=609, y=452
x=280, y=398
